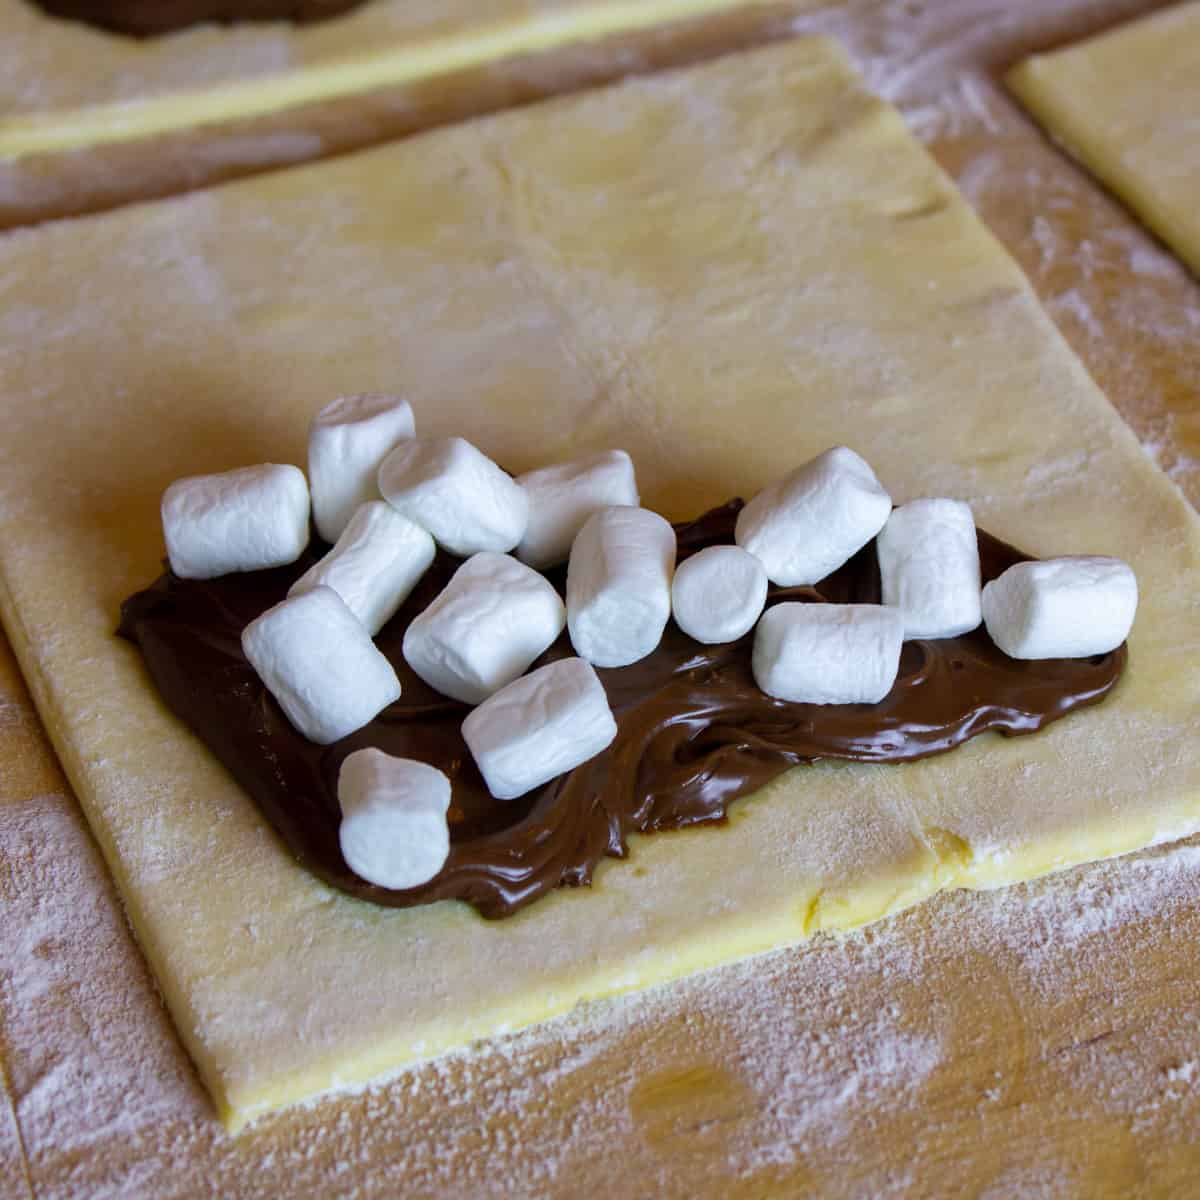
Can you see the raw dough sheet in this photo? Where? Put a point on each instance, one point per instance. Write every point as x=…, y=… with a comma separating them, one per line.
x=1127, y=105
x=65, y=84
x=723, y=270
x=91, y=120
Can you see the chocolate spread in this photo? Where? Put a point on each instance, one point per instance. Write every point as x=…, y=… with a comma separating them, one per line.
x=694, y=732
x=144, y=18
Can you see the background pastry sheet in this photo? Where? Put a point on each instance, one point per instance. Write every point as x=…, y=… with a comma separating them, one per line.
x=1080, y=1065
x=116, y=69
x=1127, y=105
x=90, y=120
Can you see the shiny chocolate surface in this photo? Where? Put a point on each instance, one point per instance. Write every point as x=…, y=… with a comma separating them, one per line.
x=694, y=731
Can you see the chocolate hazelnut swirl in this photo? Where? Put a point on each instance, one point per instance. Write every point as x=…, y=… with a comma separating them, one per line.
x=145, y=18
x=694, y=732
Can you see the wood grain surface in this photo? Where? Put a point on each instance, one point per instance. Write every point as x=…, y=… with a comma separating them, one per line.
x=1044, y=1040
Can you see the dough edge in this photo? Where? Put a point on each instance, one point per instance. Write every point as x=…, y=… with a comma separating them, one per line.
x=1056, y=89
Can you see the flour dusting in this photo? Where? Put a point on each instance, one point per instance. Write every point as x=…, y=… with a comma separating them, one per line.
x=793, y=1055
x=1096, y=268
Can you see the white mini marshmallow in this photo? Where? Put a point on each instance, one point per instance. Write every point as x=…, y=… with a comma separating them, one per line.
x=562, y=497
x=317, y=660
x=539, y=727
x=348, y=440
x=828, y=653
x=718, y=593
x=929, y=567
x=374, y=565
x=485, y=627
x=810, y=522
x=1061, y=607
x=619, y=585
x=394, y=831
x=243, y=520
x=456, y=492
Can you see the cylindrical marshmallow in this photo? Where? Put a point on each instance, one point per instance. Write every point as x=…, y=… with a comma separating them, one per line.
x=317, y=660
x=828, y=653
x=484, y=628
x=456, y=492
x=562, y=497
x=929, y=567
x=1061, y=607
x=346, y=443
x=540, y=727
x=718, y=593
x=243, y=520
x=808, y=524
x=394, y=831
x=619, y=585
x=374, y=565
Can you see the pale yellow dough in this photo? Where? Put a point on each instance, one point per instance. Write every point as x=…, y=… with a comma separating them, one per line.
x=66, y=86
x=1127, y=105
x=723, y=271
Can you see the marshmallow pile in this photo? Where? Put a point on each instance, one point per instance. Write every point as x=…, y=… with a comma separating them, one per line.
x=386, y=499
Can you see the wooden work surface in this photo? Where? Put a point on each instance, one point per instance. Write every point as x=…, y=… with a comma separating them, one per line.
x=1041, y=1040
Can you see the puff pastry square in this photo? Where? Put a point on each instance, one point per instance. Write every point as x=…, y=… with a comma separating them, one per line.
x=722, y=270
x=1127, y=105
